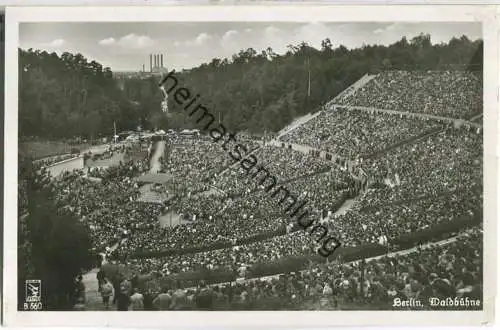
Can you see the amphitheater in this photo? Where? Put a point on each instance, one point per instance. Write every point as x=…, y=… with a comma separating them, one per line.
x=392, y=166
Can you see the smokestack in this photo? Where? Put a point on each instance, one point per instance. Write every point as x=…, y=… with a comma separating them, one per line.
x=156, y=60
x=143, y=69
x=161, y=60
x=150, y=62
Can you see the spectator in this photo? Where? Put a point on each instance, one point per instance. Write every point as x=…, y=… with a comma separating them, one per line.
x=137, y=301
x=106, y=290
x=123, y=301
x=79, y=292
x=164, y=300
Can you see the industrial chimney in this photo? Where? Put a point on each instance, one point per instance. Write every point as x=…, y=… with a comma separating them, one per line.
x=150, y=62
x=161, y=61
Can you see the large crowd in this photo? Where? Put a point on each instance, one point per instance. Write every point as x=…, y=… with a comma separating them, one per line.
x=419, y=174
x=454, y=94
x=356, y=133
x=446, y=161
x=195, y=162
x=437, y=271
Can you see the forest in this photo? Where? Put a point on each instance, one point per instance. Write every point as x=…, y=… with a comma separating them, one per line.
x=67, y=96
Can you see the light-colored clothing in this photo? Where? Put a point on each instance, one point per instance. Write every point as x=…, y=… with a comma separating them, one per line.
x=106, y=290
x=327, y=290
x=137, y=302
x=126, y=287
x=179, y=299
x=80, y=307
x=163, y=301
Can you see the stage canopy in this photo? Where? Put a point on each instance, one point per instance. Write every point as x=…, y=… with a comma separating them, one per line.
x=159, y=178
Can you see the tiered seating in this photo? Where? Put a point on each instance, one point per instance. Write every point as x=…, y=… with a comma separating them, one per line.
x=454, y=94
x=356, y=133
x=420, y=174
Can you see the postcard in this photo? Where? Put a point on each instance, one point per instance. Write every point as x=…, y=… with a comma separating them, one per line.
x=250, y=165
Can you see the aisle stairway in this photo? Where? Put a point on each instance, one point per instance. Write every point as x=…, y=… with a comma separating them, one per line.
x=297, y=123
x=349, y=91
x=343, y=95
x=93, y=299
x=155, y=165
x=149, y=196
x=92, y=295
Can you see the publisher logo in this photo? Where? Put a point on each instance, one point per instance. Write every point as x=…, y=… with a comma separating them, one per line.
x=33, y=295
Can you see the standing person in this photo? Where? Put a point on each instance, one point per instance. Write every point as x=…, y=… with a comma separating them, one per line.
x=126, y=287
x=179, y=298
x=123, y=301
x=134, y=282
x=242, y=272
x=137, y=301
x=116, y=289
x=149, y=295
x=205, y=297
x=106, y=293
x=80, y=304
x=101, y=278
x=163, y=300
x=79, y=289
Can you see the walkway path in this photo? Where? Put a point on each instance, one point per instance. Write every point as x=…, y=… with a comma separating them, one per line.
x=297, y=147
x=297, y=123
x=477, y=118
x=155, y=160
x=348, y=204
x=236, y=163
x=112, y=161
x=170, y=219
x=97, y=149
x=92, y=296
x=349, y=91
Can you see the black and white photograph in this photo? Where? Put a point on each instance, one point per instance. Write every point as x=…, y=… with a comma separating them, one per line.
x=249, y=165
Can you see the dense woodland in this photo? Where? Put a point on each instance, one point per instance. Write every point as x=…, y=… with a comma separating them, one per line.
x=53, y=245
x=67, y=96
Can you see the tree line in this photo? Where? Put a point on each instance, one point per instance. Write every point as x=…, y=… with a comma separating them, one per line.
x=54, y=246
x=67, y=96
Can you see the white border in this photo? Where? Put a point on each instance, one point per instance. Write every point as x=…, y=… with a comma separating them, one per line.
x=295, y=319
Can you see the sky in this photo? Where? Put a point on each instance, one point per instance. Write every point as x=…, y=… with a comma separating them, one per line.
x=125, y=46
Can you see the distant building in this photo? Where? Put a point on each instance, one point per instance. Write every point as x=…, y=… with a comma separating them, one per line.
x=156, y=69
